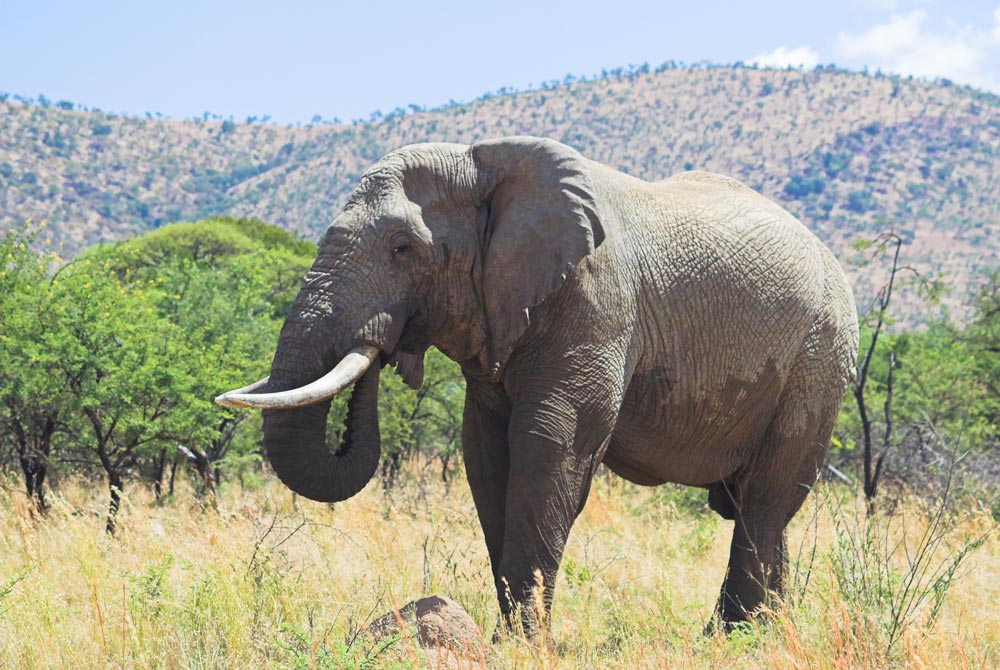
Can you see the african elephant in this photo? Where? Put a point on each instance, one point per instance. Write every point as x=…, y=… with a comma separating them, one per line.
x=688, y=330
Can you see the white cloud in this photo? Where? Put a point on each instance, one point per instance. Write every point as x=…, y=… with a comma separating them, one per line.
x=909, y=43
x=784, y=57
x=884, y=40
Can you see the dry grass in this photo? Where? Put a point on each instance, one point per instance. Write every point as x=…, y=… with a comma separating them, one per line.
x=264, y=583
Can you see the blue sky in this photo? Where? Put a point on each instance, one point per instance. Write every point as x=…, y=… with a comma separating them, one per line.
x=296, y=59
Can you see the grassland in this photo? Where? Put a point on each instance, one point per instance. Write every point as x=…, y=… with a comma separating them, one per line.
x=262, y=581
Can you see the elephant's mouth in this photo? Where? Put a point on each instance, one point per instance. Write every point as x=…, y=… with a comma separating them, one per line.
x=350, y=368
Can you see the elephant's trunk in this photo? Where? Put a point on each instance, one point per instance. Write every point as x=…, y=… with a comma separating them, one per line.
x=295, y=441
x=295, y=428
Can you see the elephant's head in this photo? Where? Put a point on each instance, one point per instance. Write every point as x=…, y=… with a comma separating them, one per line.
x=439, y=244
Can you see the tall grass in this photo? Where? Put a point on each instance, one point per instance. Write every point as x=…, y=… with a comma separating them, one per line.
x=267, y=581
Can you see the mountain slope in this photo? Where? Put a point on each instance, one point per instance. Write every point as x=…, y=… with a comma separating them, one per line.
x=849, y=153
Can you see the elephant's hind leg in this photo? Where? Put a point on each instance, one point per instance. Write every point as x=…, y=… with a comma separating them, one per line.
x=766, y=497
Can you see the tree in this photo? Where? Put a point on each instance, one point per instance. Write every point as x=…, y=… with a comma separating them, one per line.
x=129, y=375
x=877, y=318
x=30, y=411
x=426, y=421
x=125, y=347
x=983, y=338
x=227, y=284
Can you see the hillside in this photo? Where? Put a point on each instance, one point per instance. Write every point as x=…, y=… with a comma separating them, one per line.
x=846, y=152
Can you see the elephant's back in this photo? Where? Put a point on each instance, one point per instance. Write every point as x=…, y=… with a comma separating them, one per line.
x=716, y=226
x=735, y=254
x=700, y=177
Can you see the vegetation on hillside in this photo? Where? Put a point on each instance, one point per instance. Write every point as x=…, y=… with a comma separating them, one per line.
x=844, y=151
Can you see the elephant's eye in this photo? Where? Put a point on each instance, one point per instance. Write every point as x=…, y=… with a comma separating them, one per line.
x=401, y=243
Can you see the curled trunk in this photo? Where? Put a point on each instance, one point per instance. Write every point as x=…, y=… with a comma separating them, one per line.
x=295, y=441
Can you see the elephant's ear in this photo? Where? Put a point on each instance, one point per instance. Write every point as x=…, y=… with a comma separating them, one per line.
x=540, y=221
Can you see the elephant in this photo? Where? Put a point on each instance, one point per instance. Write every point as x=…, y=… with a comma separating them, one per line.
x=688, y=330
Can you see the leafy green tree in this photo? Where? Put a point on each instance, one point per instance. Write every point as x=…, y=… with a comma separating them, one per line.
x=425, y=423
x=30, y=410
x=234, y=280
x=983, y=337
x=130, y=376
x=227, y=284
x=125, y=347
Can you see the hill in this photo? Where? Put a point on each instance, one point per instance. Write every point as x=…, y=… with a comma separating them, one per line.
x=849, y=153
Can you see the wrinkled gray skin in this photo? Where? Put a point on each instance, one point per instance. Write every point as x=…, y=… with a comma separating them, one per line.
x=688, y=331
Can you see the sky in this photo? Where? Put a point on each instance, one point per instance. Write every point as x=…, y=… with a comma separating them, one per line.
x=297, y=59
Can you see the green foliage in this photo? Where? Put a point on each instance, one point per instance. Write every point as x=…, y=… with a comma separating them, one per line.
x=226, y=256
x=835, y=162
x=699, y=539
x=941, y=381
x=30, y=409
x=676, y=501
x=125, y=347
x=800, y=186
x=129, y=382
x=301, y=648
x=983, y=340
x=859, y=201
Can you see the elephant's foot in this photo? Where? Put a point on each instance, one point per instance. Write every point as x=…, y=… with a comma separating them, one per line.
x=525, y=619
x=720, y=623
x=514, y=627
x=521, y=622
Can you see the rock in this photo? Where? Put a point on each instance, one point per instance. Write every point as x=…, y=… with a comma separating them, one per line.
x=445, y=630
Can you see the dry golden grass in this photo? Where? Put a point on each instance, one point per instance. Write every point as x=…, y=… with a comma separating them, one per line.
x=263, y=583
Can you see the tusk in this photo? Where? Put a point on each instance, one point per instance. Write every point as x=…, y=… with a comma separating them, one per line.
x=256, y=386
x=346, y=372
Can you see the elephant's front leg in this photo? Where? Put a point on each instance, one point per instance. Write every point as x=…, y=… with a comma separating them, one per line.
x=484, y=447
x=555, y=444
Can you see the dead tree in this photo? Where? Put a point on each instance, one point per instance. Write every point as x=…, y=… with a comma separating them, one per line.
x=880, y=308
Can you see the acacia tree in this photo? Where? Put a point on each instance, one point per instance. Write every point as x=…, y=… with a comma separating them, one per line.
x=123, y=349
x=226, y=284
x=30, y=412
x=129, y=376
x=984, y=337
x=128, y=345
x=230, y=283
